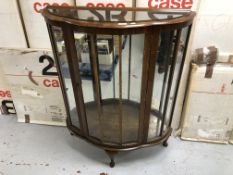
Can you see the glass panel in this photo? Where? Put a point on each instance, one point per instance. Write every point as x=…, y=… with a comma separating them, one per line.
x=176, y=47
x=113, y=113
x=162, y=72
x=107, y=65
x=136, y=67
x=180, y=55
x=82, y=42
x=121, y=14
x=108, y=58
x=132, y=59
x=63, y=63
x=122, y=93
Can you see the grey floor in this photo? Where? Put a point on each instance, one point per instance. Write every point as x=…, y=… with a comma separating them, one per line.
x=28, y=149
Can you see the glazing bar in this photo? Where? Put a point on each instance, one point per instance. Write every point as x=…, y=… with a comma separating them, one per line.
x=149, y=61
x=61, y=79
x=73, y=62
x=179, y=75
x=170, y=78
x=129, y=68
x=92, y=43
x=167, y=61
x=120, y=84
x=134, y=4
x=113, y=68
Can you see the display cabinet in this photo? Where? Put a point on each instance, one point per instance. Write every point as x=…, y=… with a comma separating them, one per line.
x=120, y=71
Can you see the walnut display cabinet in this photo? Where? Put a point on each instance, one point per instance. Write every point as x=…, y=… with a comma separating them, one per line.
x=120, y=71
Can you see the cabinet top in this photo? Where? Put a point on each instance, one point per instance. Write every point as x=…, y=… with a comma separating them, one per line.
x=102, y=17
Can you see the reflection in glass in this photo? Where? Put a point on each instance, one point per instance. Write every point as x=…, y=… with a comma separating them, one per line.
x=61, y=51
x=118, y=80
x=120, y=15
x=180, y=57
x=160, y=88
x=112, y=94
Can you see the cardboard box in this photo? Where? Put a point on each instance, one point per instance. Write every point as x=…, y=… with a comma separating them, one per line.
x=34, y=86
x=208, y=106
x=34, y=22
x=11, y=30
x=231, y=139
x=139, y=3
x=115, y=15
x=105, y=3
x=186, y=4
x=6, y=102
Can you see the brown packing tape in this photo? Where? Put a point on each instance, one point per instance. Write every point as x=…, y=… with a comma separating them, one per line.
x=213, y=54
x=200, y=56
x=212, y=58
x=230, y=60
x=27, y=118
x=209, y=71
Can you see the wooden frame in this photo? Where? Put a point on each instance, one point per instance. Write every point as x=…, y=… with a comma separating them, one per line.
x=66, y=18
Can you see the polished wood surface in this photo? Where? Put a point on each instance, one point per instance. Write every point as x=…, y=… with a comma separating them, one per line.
x=69, y=15
x=118, y=123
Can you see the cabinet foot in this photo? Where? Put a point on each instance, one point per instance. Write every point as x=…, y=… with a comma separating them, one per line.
x=111, y=155
x=165, y=144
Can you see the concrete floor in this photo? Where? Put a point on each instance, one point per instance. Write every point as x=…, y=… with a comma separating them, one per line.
x=28, y=149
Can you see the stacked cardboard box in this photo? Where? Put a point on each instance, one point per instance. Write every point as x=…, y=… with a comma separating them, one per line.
x=231, y=139
x=105, y=3
x=34, y=85
x=35, y=25
x=6, y=103
x=208, y=106
x=11, y=30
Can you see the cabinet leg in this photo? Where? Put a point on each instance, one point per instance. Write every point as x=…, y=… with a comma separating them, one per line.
x=111, y=155
x=165, y=144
